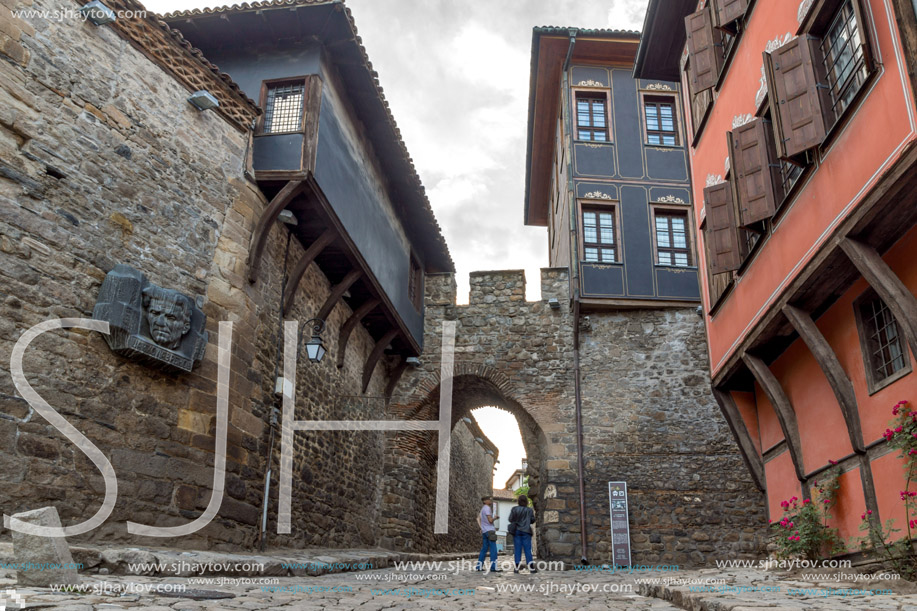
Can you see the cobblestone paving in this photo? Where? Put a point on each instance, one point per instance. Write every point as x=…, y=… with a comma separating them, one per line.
x=393, y=589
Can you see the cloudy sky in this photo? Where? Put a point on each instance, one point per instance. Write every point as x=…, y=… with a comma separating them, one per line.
x=456, y=74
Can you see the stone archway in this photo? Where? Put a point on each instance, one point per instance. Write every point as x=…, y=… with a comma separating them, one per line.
x=648, y=419
x=410, y=465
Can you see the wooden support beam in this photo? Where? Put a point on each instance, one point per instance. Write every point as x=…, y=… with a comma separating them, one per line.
x=396, y=377
x=750, y=454
x=376, y=354
x=869, y=490
x=785, y=414
x=337, y=292
x=268, y=216
x=831, y=366
x=899, y=299
x=303, y=264
x=350, y=323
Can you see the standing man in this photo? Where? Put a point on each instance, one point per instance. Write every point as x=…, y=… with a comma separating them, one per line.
x=486, y=520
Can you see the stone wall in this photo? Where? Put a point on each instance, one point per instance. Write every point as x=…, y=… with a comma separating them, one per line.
x=648, y=418
x=103, y=161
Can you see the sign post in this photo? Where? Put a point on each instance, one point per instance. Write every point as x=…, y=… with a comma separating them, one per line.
x=620, y=526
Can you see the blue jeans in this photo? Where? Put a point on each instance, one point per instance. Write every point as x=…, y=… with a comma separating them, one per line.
x=485, y=545
x=522, y=542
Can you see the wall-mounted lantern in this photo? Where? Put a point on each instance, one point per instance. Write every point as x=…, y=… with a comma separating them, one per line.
x=203, y=100
x=97, y=13
x=315, y=349
x=554, y=303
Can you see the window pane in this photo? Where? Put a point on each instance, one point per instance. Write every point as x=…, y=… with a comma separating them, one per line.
x=652, y=118
x=584, y=135
x=283, y=108
x=592, y=254
x=654, y=139
x=608, y=255
x=665, y=258
x=599, y=136
x=681, y=259
x=669, y=140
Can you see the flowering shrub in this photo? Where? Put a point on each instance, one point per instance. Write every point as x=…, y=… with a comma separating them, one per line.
x=900, y=555
x=804, y=530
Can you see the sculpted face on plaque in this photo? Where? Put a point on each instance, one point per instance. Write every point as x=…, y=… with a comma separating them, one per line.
x=168, y=314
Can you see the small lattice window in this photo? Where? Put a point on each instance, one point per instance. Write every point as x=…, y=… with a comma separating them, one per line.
x=283, y=107
x=884, y=350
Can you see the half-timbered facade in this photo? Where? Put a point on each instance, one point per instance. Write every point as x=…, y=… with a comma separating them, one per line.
x=802, y=126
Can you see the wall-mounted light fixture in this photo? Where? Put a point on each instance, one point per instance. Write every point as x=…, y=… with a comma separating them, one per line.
x=203, y=100
x=467, y=420
x=97, y=13
x=286, y=216
x=491, y=452
x=315, y=349
x=479, y=440
x=554, y=303
x=413, y=361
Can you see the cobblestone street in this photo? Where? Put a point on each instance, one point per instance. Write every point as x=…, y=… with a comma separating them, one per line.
x=739, y=590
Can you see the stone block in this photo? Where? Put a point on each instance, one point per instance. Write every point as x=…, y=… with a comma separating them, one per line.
x=48, y=559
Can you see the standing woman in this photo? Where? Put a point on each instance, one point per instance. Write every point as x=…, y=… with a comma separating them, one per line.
x=521, y=518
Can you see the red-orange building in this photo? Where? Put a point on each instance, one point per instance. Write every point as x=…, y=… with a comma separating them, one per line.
x=802, y=128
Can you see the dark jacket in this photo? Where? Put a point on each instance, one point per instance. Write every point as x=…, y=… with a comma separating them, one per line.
x=522, y=517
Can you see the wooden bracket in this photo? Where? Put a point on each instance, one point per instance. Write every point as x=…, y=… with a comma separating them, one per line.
x=376, y=354
x=268, y=216
x=831, y=366
x=750, y=455
x=887, y=284
x=350, y=323
x=337, y=292
x=396, y=377
x=302, y=265
x=782, y=406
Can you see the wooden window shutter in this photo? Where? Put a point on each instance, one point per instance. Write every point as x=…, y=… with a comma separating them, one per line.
x=801, y=99
x=705, y=56
x=757, y=172
x=730, y=10
x=722, y=233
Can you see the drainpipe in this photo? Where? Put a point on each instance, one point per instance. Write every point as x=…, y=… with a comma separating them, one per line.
x=574, y=284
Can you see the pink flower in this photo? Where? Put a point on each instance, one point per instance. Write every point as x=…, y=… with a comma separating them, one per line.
x=863, y=517
x=833, y=462
x=807, y=501
x=826, y=501
x=869, y=512
x=895, y=410
x=898, y=429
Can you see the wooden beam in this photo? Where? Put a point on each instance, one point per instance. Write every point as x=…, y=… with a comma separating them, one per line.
x=899, y=299
x=268, y=216
x=376, y=354
x=869, y=490
x=350, y=323
x=750, y=454
x=782, y=406
x=831, y=366
x=396, y=377
x=312, y=101
x=337, y=292
x=303, y=264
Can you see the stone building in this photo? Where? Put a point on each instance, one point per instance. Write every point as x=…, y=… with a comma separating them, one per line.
x=105, y=162
x=305, y=205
